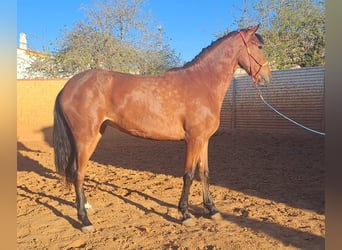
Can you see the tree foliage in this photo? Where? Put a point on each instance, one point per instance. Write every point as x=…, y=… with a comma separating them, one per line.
x=293, y=30
x=117, y=35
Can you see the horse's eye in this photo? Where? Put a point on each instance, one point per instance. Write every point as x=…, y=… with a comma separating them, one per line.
x=260, y=46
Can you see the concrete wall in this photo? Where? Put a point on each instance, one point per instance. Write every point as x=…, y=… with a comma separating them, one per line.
x=35, y=102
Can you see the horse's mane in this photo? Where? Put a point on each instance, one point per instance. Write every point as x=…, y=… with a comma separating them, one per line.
x=208, y=48
x=212, y=45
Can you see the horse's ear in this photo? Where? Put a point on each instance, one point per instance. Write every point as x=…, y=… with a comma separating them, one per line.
x=252, y=30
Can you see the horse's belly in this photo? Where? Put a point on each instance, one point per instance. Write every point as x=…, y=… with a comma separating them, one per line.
x=156, y=135
x=150, y=126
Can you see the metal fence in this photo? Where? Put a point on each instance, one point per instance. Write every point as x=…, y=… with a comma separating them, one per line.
x=298, y=93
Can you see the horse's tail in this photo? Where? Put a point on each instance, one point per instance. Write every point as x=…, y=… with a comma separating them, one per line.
x=64, y=145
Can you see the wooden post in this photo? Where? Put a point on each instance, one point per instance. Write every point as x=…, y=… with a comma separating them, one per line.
x=233, y=126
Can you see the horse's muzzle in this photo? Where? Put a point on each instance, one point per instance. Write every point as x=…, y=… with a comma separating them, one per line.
x=264, y=80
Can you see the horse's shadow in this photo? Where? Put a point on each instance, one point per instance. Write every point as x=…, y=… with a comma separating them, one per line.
x=137, y=205
x=25, y=163
x=38, y=197
x=288, y=236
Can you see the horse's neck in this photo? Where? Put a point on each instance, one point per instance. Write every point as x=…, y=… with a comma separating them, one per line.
x=217, y=66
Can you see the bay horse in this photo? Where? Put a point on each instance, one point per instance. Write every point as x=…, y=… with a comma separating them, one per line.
x=181, y=104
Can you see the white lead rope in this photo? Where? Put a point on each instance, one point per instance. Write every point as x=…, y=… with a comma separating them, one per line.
x=284, y=116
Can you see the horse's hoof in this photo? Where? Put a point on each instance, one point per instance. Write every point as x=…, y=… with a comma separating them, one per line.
x=189, y=222
x=216, y=216
x=87, y=229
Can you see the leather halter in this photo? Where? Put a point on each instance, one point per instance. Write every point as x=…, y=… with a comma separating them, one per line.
x=250, y=61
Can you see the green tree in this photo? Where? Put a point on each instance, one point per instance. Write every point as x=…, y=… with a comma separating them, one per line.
x=293, y=30
x=117, y=35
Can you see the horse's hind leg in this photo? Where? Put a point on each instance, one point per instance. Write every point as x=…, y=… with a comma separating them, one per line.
x=204, y=175
x=85, y=150
x=80, y=203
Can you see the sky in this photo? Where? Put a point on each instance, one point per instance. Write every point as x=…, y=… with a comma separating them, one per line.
x=189, y=25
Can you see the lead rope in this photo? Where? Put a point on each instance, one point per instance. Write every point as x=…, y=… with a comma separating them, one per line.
x=284, y=116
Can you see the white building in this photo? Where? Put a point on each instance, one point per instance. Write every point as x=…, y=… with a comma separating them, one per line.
x=25, y=57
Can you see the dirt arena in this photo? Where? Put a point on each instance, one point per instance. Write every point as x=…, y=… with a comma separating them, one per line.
x=269, y=188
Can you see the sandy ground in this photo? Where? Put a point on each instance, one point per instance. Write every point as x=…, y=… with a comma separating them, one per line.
x=269, y=188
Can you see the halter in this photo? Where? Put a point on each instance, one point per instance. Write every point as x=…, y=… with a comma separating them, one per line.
x=250, y=61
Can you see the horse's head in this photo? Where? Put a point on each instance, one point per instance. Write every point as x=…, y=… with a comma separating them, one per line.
x=252, y=58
